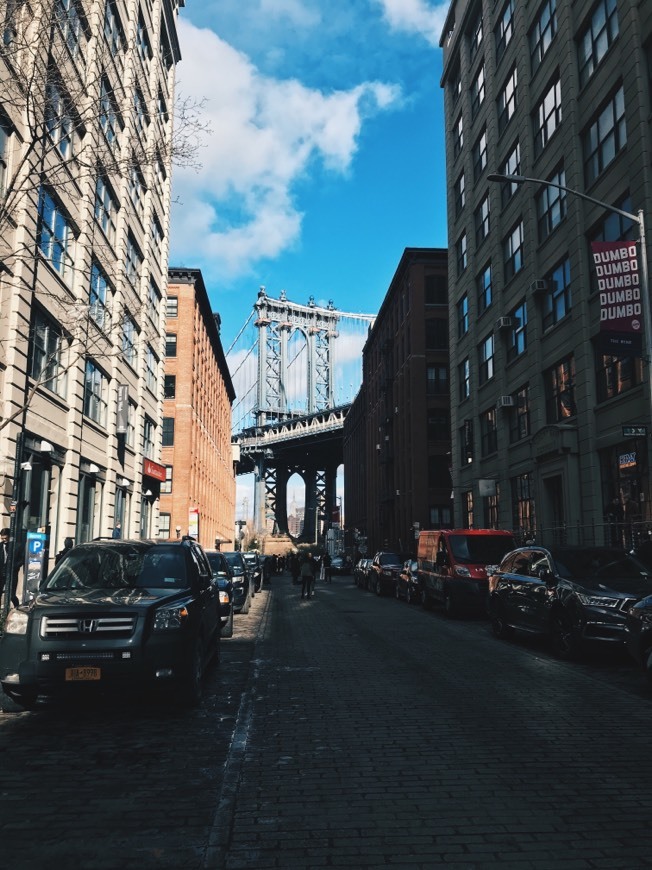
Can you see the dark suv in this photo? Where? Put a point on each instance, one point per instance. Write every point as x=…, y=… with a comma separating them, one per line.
x=242, y=587
x=383, y=573
x=115, y=614
x=570, y=594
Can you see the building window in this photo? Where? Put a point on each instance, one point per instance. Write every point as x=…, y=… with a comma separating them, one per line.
x=46, y=354
x=168, y=432
x=547, y=117
x=488, y=432
x=595, y=41
x=504, y=30
x=96, y=386
x=543, y=32
x=170, y=387
x=479, y=155
x=133, y=261
x=56, y=237
x=106, y=208
x=129, y=339
x=113, y=32
x=149, y=438
x=98, y=296
x=154, y=302
x=458, y=137
x=463, y=316
x=517, y=339
x=437, y=380
x=513, y=252
x=519, y=419
x=523, y=513
x=461, y=252
x=58, y=119
x=464, y=379
x=511, y=166
x=162, y=108
x=475, y=36
x=455, y=86
x=436, y=289
x=171, y=344
x=67, y=17
x=616, y=227
x=507, y=101
x=109, y=118
x=440, y=517
x=486, y=359
x=460, y=198
x=483, y=286
x=137, y=188
x=466, y=442
x=141, y=118
x=164, y=526
x=5, y=138
x=492, y=511
x=482, y=221
x=156, y=232
x=467, y=510
x=559, y=384
x=605, y=137
x=617, y=374
x=131, y=425
x=166, y=485
x=439, y=429
x=436, y=334
x=477, y=91
x=551, y=205
x=557, y=301
x=142, y=41
x=172, y=306
x=151, y=369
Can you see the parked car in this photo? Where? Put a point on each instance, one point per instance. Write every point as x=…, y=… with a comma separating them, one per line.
x=340, y=565
x=115, y=614
x=255, y=567
x=223, y=577
x=638, y=634
x=570, y=594
x=407, y=582
x=242, y=589
x=452, y=566
x=383, y=572
x=360, y=572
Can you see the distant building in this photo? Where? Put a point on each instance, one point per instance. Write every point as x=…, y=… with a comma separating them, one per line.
x=558, y=90
x=198, y=494
x=397, y=434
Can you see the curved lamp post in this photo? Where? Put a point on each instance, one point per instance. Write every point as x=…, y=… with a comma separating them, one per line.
x=638, y=218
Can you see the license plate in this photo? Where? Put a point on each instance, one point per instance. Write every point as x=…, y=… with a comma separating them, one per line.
x=75, y=674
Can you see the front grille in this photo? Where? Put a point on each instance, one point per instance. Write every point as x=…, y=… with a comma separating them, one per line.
x=85, y=656
x=627, y=603
x=88, y=626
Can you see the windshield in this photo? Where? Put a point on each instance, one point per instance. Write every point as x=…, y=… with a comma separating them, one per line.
x=219, y=565
x=597, y=563
x=120, y=567
x=481, y=549
x=235, y=562
x=389, y=559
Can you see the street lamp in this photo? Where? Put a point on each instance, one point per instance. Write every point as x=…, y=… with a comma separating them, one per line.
x=638, y=218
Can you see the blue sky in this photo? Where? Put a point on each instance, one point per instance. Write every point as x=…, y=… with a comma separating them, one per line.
x=326, y=153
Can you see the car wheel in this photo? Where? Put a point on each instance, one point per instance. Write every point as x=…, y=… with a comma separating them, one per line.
x=501, y=629
x=563, y=639
x=191, y=690
x=378, y=589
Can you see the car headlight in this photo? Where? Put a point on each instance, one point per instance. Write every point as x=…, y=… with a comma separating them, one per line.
x=597, y=600
x=17, y=621
x=170, y=618
x=462, y=572
x=224, y=596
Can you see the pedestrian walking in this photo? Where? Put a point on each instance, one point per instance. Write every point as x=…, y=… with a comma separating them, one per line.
x=295, y=567
x=326, y=562
x=6, y=555
x=308, y=576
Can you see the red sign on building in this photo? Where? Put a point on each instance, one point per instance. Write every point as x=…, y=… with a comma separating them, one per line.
x=153, y=469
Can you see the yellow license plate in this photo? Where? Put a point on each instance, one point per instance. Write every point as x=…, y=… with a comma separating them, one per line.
x=75, y=674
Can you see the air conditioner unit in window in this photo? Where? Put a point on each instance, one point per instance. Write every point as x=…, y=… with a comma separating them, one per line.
x=539, y=286
x=503, y=323
x=505, y=402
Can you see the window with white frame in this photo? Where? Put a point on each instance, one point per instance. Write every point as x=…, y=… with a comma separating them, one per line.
x=142, y=41
x=69, y=22
x=477, y=91
x=615, y=227
x=464, y=379
x=130, y=438
x=56, y=236
x=475, y=35
x=517, y=337
x=551, y=205
x=461, y=254
x=106, y=208
x=595, y=41
x=166, y=485
x=504, y=30
x=511, y=166
x=507, y=100
x=547, y=116
x=151, y=369
x=5, y=139
x=463, y=316
x=156, y=231
x=137, y=188
x=486, y=359
x=133, y=261
x=129, y=340
x=162, y=108
x=149, y=438
x=605, y=136
x=458, y=136
x=479, y=155
x=519, y=418
x=459, y=193
x=98, y=296
x=170, y=344
x=513, y=251
x=154, y=302
x=141, y=118
x=523, y=508
x=484, y=289
x=437, y=380
x=557, y=302
x=468, y=520
x=559, y=386
x=488, y=432
x=113, y=30
x=109, y=118
x=482, y=221
x=46, y=363
x=543, y=32
x=164, y=525
x=96, y=386
x=58, y=119
x=172, y=306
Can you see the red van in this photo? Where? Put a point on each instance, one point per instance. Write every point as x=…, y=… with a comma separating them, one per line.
x=452, y=563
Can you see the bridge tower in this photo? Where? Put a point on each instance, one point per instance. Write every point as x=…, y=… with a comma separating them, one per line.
x=277, y=320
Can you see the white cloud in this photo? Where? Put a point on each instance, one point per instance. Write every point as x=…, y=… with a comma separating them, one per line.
x=416, y=16
x=266, y=136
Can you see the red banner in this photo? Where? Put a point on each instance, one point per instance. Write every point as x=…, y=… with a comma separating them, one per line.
x=153, y=469
x=621, y=312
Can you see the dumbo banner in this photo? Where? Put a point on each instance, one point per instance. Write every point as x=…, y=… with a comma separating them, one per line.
x=621, y=314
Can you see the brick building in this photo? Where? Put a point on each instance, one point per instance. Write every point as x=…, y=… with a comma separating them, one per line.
x=198, y=494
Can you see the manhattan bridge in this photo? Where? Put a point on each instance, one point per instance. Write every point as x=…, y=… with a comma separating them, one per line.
x=295, y=369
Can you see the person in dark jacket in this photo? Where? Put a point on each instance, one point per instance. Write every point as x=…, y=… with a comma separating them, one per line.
x=68, y=544
x=308, y=570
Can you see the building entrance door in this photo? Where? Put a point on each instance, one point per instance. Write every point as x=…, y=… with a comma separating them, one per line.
x=554, y=514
